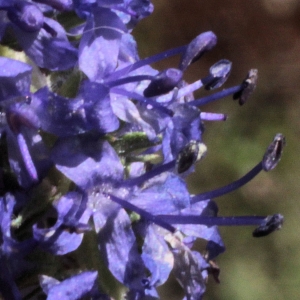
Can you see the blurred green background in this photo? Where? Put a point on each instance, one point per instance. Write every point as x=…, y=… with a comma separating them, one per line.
x=265, y=35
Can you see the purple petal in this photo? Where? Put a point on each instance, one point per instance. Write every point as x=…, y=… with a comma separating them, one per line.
x=57, y=239
x=100, y=44
x=211, y=234
x=100, y=115
x=184, y=128
x=119, y=248
x=189, y=270
x=73, y=288
x=87, y=161
x=126, y=111
x=157, y=257
x=15, y=78
x=168, y=196
x=64, y=117
x=128, y=50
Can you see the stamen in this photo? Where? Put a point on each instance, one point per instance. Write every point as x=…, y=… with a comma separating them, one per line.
x=147, y=61
x=142, y=99
x=216, y=96
x=241, y=92
x=270, y=159
x=29, y=165
x=196, y=48
x=213, y=221
x=218, y=74
x=150, y=174
x=190, y=88
x=266, y=224
x=191, y=153
x=163, y=82
x=129, y=79
x=144, y=214
x=273, y=153
x=230, y=187
x=15, y=120
x=270, y=224
x=205, y=116
x=249, y=85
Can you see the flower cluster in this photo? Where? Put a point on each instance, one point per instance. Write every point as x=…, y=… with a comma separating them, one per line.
x=95, y=149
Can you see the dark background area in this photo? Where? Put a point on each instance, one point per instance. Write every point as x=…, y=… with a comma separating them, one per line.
x=252, y=34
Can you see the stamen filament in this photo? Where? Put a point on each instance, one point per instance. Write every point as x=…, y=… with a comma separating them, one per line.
x=128, y=79
x=216, y=96
x=29, y=165
x=150, y=174
x=140, y=98
x=230, y=187
x=211, y=221
x=147, y=61
x=184, y=91
x=205, y=116
x=149, y=217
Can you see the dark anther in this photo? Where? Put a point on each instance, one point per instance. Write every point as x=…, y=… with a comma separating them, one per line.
x=247, y=88
x=163, y=82
x=270, y=224
x=196, y=48
x=218, y=74
x=273, y=153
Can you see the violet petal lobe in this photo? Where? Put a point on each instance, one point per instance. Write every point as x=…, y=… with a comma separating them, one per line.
x=119, y=250
x=100, y=44
x=157, y=257
x=84, y=165
x=63, y=237
x=73, y=288
x=166, y=194
x=15, y=78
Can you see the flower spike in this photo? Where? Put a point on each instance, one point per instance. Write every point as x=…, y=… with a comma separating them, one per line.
x=102, y=142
